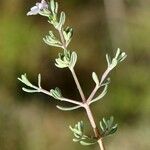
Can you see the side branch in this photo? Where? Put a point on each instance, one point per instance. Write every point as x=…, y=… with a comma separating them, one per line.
x=62, y=98
x=100, y=84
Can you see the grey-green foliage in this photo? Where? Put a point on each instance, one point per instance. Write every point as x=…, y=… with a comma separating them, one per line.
x=79, y=135
x=67, y=108
x=68, y=59
x=31, y=88
x=103, y=93
x=119, y=57
x=56, y=93
x=52, y=40
x=108, y=127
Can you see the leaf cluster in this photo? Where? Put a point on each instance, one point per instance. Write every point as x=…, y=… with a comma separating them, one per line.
x=79, y=136
x=66, y=59
x=108, y=127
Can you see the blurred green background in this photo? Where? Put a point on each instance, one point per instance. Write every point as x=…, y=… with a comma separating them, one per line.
x=31, y=122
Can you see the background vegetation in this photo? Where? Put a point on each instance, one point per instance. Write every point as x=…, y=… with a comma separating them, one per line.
x=31, y=122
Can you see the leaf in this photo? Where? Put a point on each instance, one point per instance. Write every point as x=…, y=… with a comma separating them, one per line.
x=76, y=140
x=29, y=90
x=117, y=53
x=68, y=34
x=122, y=56
x=39, y=80
x=24, y=80
x=61, y=21
x=58, y=91
x=105, y=122
x=49, y=41
x=114, y=129
x=95, y=78
x=86, y=143
x=67, y=108
x=56, y=7
x=76, y=131
x=73, y=60
x=108, y=60
x=52, y=5
x=110, y=122
x=101, y=125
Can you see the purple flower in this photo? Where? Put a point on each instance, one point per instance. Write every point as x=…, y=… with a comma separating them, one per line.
x=38, y=8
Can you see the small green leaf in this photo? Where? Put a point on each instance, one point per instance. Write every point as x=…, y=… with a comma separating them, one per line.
x=101, y=125
x=29, y=90
x=76, y=140
x=56, y=7
x=24, y=80
x=52, y=5
x=105, y=122
x=73, y=60
x=86, y=143
x=39, y=80
x=95, y=78
x=68, y=34
x=68, y=108
x=76, y=131
x=117, y=53
x=61, y=21
x=108, y=60
x=113, y=129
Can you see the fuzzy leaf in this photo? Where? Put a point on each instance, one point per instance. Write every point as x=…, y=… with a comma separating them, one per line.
x=86, y=143
x=29, y=90
x=52, y=5
x=24, y=80
x=73, y=60
x=107, y=126
x=67, y=108
x=39, y=80
x=61, y=21
x=95, y=78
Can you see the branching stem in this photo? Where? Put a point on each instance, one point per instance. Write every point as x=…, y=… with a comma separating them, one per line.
x=88, y=111
x=97, y=87
x=61, y=98
x=84, y=103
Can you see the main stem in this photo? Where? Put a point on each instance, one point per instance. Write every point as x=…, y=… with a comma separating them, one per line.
x=89, y=112
x=95, y=129
x=85, y=102
x=78, y=85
